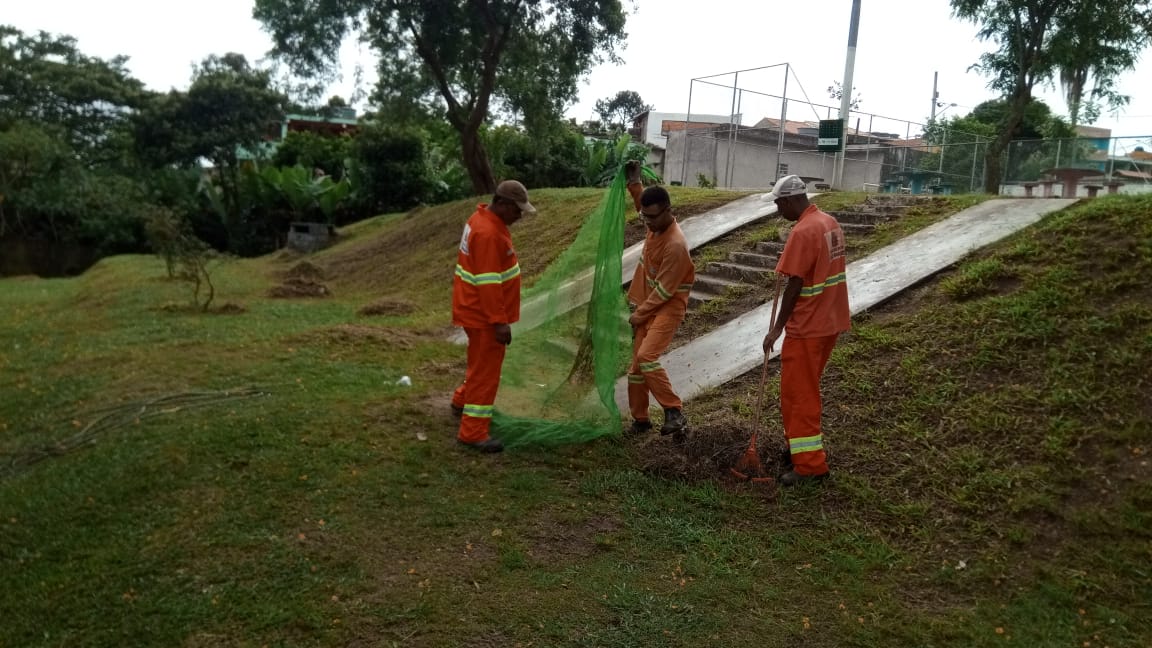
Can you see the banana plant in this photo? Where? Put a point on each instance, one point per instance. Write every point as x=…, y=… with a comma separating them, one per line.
x=605, y=159
x=333, y=195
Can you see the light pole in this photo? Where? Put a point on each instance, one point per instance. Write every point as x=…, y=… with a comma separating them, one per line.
x=944, y=106
x=846, y=90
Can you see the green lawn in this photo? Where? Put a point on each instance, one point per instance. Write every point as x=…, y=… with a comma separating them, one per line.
x=989, y=433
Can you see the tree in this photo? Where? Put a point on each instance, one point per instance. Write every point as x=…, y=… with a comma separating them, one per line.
x=617, y=111
x=835, y=91
x=1035, y=38
x=457, y=56
x=46, y=80
x=1037, y=122
x=389, y=169
x=959, y=142
x=1101, y=59
x=229, y=107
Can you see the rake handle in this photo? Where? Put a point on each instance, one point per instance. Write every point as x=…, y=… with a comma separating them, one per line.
x=764, y=370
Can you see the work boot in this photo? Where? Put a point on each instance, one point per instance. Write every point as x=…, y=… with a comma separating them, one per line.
x=488, y=445
x=674, y=422
x=640, y=427
x=457, y=411
x=792, y=478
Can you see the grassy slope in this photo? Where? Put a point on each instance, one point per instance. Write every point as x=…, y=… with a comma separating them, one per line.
x=997, y=417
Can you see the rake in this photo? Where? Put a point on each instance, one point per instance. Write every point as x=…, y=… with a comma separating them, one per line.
x=749, y=467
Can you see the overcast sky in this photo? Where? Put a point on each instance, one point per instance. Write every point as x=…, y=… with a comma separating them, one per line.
x=901, y=44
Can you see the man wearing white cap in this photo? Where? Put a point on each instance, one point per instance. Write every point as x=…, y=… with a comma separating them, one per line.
x=485, y=302
x=814, y=312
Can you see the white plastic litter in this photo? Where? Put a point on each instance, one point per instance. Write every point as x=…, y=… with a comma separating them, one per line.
x=404, y=381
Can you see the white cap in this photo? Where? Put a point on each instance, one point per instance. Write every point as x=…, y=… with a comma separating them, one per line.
x=789, y=185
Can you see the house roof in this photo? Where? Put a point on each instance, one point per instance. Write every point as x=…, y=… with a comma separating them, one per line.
x=1093, y=132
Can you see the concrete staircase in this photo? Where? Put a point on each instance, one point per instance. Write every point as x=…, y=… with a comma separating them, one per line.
x=754, y=266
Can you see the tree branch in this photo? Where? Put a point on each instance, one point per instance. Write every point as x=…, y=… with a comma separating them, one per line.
x=433, y=62
x=497, y=40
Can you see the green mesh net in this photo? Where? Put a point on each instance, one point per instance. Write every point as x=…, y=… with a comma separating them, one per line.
x=573, y=340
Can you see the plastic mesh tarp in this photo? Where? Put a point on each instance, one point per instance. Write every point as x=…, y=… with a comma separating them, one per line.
x=573, y=341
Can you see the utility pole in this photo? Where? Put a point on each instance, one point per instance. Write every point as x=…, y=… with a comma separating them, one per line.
x=935, y=97
x=846, y=90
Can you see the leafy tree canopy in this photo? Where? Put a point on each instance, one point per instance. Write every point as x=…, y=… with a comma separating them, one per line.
x=47, y=80
x=1035, y=39
x=618, y=111
x=229, y=104
x=455, y=57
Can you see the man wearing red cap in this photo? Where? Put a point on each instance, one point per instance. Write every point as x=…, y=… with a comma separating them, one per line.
x=814, y=312
x=485, y=302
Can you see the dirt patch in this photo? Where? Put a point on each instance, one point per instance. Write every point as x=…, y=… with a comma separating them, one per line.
x=386, y=307
x=712, y=447
x=306, y=270
x=227, y=308
x=373, y=261
x=351, y=334
x=554, y=538
x=295, y=288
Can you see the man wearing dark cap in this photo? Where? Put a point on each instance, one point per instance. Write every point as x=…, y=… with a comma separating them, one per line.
x=659, y=289
x=485, y=302
x=814, y=312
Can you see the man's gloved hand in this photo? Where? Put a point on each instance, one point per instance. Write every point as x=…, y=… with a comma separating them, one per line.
x=503, y=333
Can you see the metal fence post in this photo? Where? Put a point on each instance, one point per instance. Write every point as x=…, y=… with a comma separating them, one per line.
x=943, y=148
x=783, y=123
x=975, y=154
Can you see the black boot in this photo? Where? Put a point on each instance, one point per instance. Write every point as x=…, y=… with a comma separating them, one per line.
x=675, y=424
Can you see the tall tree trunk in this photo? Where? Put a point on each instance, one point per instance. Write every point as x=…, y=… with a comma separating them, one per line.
x=994, y=157
x=476, y=162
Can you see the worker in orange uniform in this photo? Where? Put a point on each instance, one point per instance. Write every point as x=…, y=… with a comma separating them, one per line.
x=659, y=290
x=485, y=302
x=814, y=312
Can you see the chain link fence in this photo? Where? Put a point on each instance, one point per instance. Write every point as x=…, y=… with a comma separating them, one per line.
x=1123, y=162
x=736, y=137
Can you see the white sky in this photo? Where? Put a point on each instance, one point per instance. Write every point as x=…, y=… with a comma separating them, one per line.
x=901, y=44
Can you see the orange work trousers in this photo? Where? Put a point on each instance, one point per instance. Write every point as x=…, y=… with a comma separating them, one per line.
x=646, y=375
x=477, y=394
x=802, y=362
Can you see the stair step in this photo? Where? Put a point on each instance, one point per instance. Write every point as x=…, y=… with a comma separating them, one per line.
x=769, y=247
x=738, y=272
x=754, y=259
x=698, y=298
x=857, y=229
x=713, y=285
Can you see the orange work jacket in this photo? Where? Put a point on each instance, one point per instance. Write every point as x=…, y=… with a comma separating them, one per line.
x=486, y=288
x=665, y=274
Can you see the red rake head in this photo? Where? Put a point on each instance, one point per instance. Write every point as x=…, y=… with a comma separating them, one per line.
x=748, y=467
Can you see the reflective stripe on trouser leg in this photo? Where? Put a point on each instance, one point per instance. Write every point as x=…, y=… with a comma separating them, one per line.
x=481, y=381
x=649, y=343
x=802, y=363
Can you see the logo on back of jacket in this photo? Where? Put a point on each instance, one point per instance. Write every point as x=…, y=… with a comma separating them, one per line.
x=464, y=243
x=464, y=239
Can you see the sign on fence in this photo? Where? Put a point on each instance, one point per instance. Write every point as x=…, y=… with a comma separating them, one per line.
x=831, y=138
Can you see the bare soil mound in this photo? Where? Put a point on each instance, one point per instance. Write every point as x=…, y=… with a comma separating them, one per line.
x=387, y=307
